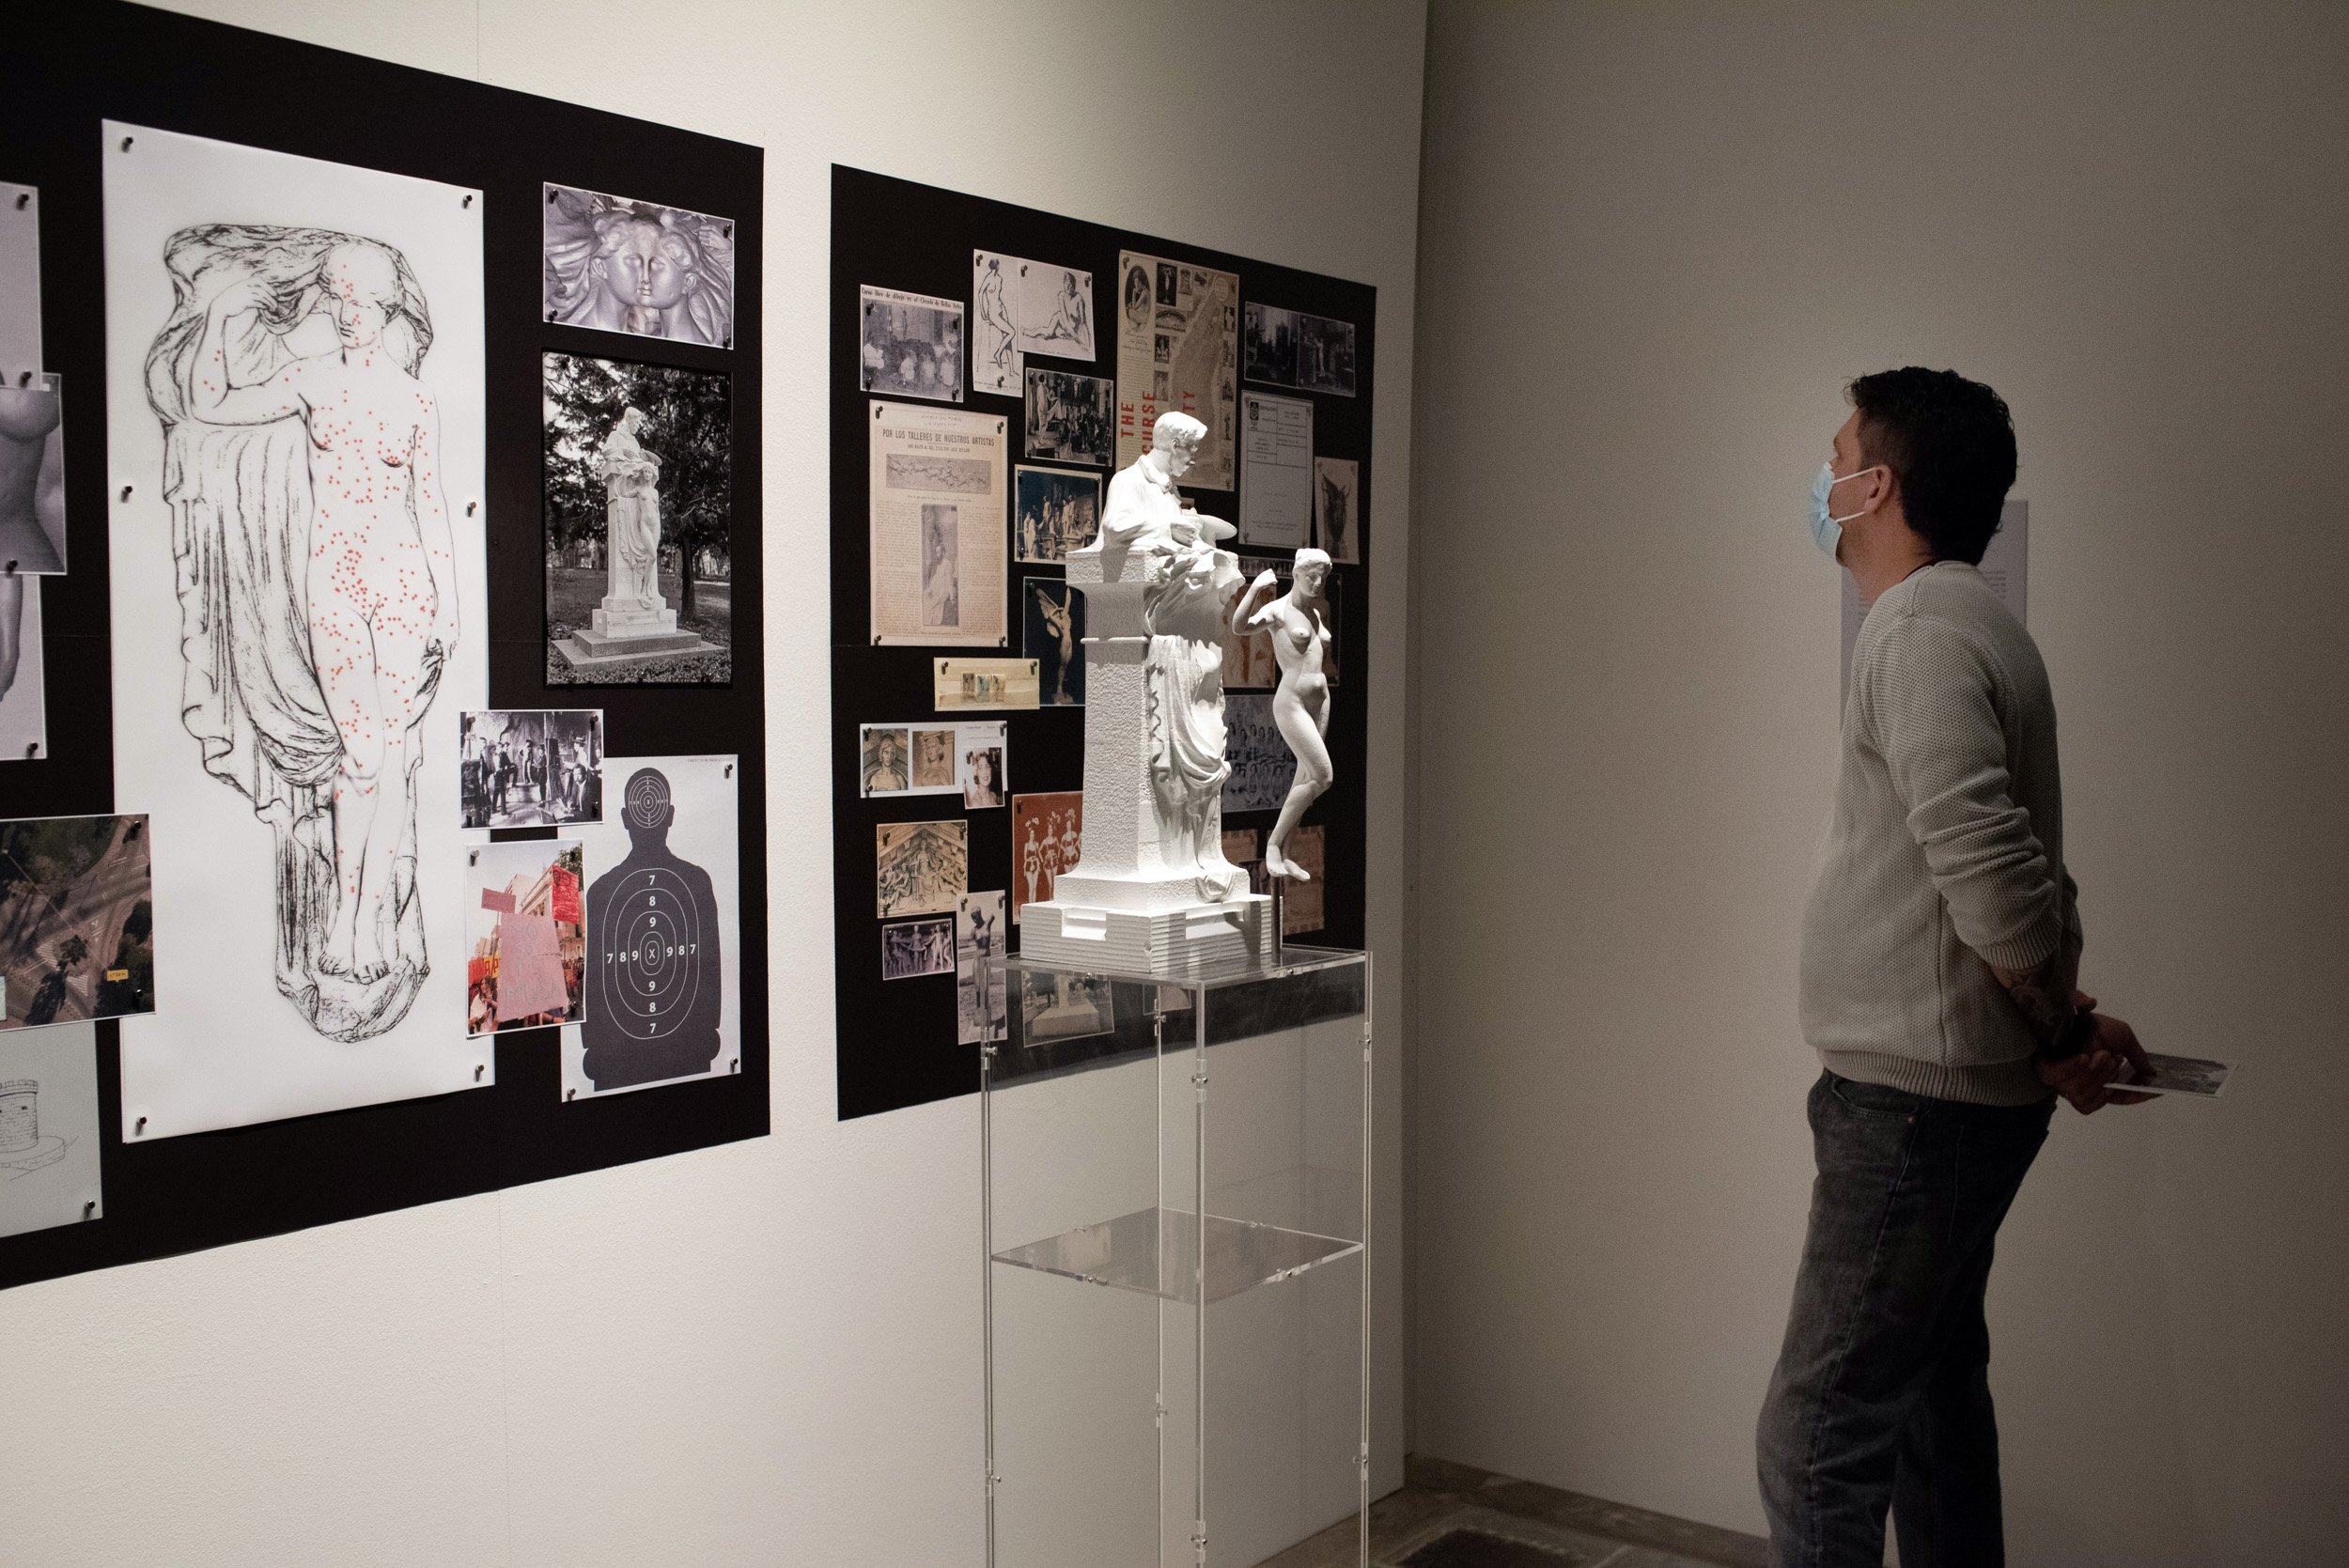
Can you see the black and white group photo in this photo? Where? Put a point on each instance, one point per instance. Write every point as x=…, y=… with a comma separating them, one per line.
x=1071, y=418
x=1054, y=512
x=1268, y=345
x=911, y=345
x=530, y=768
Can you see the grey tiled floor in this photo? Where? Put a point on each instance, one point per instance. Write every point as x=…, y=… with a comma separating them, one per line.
x=1516, y=1523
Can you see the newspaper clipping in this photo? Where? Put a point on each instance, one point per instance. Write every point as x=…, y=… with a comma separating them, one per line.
x=1276, y=454
x=1178, y=348
x=937, y=499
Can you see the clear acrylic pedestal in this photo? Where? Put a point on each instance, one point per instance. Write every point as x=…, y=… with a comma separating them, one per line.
x=1176, y=1219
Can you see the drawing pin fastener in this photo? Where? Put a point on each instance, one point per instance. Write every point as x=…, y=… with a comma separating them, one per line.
x=126, y=143
x=478, y=1070
x=140, y=1129
x=126, y=493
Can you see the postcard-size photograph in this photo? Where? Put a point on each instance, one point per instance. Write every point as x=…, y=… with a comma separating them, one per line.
x=49, y=1164
x=1057, y=1007
x=20, y=281
x=1268, y=345
x=1071, y=418
x=959, y=685
x=32, y=475
x=1054, y=633
x=920, y=868
x=913, y=948
x=1325, y=355
x=1338, y=509
x=23, y=686
x=1054, y=512
x=530, y=766
x=2196, y=1078
x=909, y=344
x=1047, y=835
x=619, y=265
x=979, y=988
x=77, y=919
x=638, y=509
x=525, y=935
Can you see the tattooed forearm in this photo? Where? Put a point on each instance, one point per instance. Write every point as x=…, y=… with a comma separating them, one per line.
x=2044, y=997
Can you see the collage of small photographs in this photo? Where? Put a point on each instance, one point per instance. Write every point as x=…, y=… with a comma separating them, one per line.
x=973, y=515
x=274, y=915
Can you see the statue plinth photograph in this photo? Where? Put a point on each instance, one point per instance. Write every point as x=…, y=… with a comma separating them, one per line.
x=1151, y=890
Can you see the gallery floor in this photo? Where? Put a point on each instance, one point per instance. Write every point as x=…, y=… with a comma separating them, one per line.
x=1452, y=1516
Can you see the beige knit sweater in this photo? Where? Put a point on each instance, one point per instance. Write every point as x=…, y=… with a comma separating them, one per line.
x=1945, y=852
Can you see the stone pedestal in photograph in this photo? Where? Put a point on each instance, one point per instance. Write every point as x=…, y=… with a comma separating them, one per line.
x=629, y=631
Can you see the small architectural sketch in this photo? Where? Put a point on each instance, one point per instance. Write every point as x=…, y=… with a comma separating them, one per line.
x=639, y=507
x=1268, y=345
x=32, y=475
x=1054, y=630
x=918, y=947
x=24, y=705
x=921, y=868
x=1338, y=509
x=979, y=937
x=294, y=353
x=77, y=919
x=909, y=344
x=49, y=1143
x=1325, y=355
x=1054, y=512
x=1047, y=831
x=1071, y=418
x=530, y=768
x=637, y=267
x=525, y=925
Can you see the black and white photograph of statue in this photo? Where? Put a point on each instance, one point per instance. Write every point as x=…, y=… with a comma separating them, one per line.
x=1054, y=631
x=917, y=947
x=639, y=524
x=1054, y=512
x=637, y=267
x=32, y=475
x=979, y=937
x=920, y=868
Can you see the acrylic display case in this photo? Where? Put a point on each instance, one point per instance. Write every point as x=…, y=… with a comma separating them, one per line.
x=1175, y=1218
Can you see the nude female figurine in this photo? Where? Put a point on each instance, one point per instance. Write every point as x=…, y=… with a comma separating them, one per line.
x=1301, y=707
x=380, y=567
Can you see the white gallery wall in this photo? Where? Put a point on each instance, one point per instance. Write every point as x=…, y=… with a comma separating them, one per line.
x=767, y=1352
x=1656, y=242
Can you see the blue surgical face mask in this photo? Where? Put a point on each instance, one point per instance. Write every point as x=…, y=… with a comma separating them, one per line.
x=1827, y=532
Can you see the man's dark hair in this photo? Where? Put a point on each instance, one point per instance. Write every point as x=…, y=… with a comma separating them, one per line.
x=1951, y=444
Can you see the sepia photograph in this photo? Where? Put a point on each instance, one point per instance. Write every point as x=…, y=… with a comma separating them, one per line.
x=1054, y=512
x=1338, y=509
x=1268, y=345
x=934, y=759
x=1057, y=1007
x=964, y=684
x=1325, y=355
x=77, y=919
x=1071, y=418
x=882, y=753
x=525, y=935
x=32, y=475
x=1047, y=831
x=1262, y=766
x=530, y=768
x=909, y=344
x=1054, y=633
x=918, y=947
x=638, y=501
x=941, y=583
x=921, y=868
x=979, y=937
x=983, y=776
x=637, y=267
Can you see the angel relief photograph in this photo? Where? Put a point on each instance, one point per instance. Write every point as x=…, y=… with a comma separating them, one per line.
x=639, y=520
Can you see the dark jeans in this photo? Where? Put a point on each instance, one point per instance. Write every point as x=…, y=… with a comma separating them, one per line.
x=1882, y=1392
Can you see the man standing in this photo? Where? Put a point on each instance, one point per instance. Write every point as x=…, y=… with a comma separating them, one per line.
x=1939, y=947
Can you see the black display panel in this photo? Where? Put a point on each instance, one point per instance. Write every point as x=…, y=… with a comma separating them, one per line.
x=68, y=68
x=897, y=1038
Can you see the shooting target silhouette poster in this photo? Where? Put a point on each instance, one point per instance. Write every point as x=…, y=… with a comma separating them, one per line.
x=663, y=987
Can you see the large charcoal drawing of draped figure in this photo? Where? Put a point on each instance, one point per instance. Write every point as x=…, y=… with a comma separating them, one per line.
x=315, y=572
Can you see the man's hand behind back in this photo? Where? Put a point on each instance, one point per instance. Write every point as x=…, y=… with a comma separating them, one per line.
x=2086, y=1080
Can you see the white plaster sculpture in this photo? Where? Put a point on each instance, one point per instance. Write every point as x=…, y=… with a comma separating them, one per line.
x=1300, y=706
x=1151, y=890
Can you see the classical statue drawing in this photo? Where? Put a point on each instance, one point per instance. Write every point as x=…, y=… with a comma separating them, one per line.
x=631, y=513
x=317, y=583
x=1301, y=705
